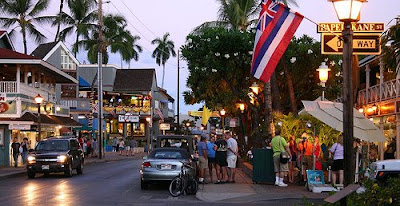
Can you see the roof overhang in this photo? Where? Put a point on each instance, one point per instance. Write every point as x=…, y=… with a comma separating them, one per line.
x=62, y=76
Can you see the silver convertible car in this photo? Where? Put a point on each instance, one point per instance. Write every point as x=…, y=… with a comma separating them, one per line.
x=163, y=164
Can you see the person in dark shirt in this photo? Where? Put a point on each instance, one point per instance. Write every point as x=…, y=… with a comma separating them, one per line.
x=15, y=151
x=221, y=147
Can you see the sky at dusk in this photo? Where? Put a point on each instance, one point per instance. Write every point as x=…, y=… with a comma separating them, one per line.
x=151, y=19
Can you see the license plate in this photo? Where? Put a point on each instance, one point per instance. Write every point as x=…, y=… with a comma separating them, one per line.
x=45, y=167
x=165, y=167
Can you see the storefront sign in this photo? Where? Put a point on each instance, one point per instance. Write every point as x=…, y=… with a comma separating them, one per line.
x=128, y=118
x=165, y=126
x=19, y=127
x=2, y=137
x=2, y=97
x=233, y=122
x=3, y=107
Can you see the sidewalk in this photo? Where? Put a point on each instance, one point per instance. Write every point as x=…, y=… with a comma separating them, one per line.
x=109, y=156
x=244, y=191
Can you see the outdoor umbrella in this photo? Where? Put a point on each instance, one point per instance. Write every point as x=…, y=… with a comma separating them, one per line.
x=331, y=113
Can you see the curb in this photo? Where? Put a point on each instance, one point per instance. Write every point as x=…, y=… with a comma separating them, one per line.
x=20, y=173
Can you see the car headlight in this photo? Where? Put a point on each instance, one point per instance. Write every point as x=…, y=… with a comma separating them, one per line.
x=31, y=159
x=62, y=158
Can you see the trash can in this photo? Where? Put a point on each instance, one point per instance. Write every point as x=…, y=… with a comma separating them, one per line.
x=263, y=166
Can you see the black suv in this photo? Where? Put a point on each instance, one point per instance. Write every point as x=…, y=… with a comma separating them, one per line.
x=56, y=154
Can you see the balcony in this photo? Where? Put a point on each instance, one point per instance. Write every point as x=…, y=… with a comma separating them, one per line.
x=389, y=90
x=13, y=87
x=76, y=104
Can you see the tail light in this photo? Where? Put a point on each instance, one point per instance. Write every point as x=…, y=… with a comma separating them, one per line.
x=146, y=164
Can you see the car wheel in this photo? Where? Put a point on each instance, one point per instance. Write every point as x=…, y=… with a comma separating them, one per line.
x=79, y=169
x=31, y=174
x=68, y=172
x=143, y=185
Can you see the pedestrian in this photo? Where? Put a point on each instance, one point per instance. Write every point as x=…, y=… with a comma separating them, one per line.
x=133, y=146
x=306, y=148
x=317, y=154
x=15, y=150
x=89, y=146
x=232, y=154
x=94, y=147
x=390, y=150
x=203, y=158
x=114, y=144
x=80, y=140
x=127, y=147
x=211, y=157
x=25, y=149
x=281, y=168
x=84, y=146
x=121, y=146
x=293, y=158
x=221, y=147
x=337, y=151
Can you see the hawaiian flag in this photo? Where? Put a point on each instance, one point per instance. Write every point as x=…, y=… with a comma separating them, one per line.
x=275, y=28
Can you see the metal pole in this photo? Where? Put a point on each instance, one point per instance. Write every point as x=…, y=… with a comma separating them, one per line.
x=348, y=105
x=100, y=82
x=323, y=92
x=223, y=123
x=39, y=123
x=177, y=96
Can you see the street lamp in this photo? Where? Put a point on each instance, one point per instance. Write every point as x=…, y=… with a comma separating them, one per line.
x=255, y=88
x=39, y=101
x=323, y=77
x=222, y=113
x=348, y=11
x=241, y=107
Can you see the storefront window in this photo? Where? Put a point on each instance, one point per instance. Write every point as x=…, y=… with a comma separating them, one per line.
x=138, y=129
x=129, y=129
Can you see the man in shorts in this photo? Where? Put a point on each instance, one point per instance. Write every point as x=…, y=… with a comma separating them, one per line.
x=203, y=158
x=232, y=154
x=211, y=157
x=220, y=159
x=279, y=145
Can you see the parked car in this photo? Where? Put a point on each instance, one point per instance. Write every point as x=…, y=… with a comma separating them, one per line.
x=176, y=141
x=162, y=165
x=56, y=154
x=383, y=169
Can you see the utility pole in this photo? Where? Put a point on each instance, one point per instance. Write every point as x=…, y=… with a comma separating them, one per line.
x=177, y=115
x=100, y=82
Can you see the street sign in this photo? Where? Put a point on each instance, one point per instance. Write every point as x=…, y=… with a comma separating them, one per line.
x=363, y=44
x=165, y=126
x=356, y=27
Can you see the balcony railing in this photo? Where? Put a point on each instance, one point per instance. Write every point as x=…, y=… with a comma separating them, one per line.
x=388, y=90
x=76, y=103
x=8, y=87
x=13, y=87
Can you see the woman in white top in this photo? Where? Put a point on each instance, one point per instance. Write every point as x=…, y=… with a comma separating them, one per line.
x=121, y=146
x=337, y=151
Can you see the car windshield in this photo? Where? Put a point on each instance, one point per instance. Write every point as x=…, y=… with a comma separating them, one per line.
x=53, y=145
x=169, y=154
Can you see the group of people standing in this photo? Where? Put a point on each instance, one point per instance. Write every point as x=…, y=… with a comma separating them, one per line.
x=305, y=155
x=20, y=149
x=121, y=145
x=220, y=154
x=89, y=146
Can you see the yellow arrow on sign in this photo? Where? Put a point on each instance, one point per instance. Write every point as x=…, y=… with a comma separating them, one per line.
x=337, y=44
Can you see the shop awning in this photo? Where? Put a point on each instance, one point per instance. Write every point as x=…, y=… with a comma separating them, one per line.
x=32, y=119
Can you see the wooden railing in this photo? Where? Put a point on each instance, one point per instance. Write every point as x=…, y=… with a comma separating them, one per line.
x=388, y=90
x=8, y=87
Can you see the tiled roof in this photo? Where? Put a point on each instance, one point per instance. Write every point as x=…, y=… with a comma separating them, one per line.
x=134, y=80
x=43, y=49
x=9, y=54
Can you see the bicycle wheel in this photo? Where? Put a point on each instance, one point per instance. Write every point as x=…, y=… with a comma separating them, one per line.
x=176, y=187
x=192, y=188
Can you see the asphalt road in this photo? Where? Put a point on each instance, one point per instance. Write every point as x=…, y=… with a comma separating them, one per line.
x=110, y=183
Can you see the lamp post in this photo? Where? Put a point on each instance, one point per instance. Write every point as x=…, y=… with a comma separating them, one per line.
x=39, y=100
x=187, y=127
x=222, y=113
x=348, y=11
x=149, y=123
x=323, y=77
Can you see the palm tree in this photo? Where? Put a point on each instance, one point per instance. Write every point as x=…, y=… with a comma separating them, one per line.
x=80, y=21
x=24, y=14
x=391, y=46
x=163, y=51
x=116, y=38
x=58, y=20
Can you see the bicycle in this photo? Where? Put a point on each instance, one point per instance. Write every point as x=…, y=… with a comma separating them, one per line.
x=184, y=183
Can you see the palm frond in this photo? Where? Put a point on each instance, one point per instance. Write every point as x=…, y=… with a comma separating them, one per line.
x=40, y=6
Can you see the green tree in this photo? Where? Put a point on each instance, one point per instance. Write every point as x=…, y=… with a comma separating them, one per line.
x=391, y=47
x=58, y=19
x=116, y=38
x=165, y=48
x=24, y=14
x=80, y=21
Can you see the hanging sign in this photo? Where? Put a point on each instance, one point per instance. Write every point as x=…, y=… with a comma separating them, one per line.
x=3, y=107
x=128, y=118
x=165, y=126
x=19, y=127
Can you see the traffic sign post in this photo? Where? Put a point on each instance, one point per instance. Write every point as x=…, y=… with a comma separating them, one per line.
x=363, y=44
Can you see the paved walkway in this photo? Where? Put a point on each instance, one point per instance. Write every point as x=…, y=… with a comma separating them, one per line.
x=244, y=191
x=109, y=156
